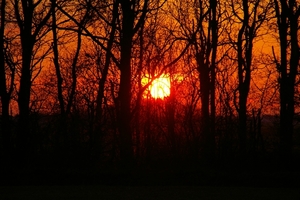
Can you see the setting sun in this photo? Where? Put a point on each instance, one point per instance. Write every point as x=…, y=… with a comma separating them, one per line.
x=160, y=87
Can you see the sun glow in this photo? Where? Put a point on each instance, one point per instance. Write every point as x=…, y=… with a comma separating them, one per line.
x=160, y=87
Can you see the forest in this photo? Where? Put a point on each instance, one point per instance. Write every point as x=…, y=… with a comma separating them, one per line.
x=148, y=86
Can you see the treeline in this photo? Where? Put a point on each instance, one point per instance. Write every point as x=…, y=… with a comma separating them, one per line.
x=71, y=81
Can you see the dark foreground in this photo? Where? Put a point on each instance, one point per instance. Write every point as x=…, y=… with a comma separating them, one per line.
x=251, y=180
x=209, y=184
x=147, y=192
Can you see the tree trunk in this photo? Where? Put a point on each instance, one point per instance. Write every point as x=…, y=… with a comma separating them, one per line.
x=124, y=115
x=29, y=32
x=214, y=45
x=206, y=59
x=244, y=51
x=207, y=139
x=24, y=95
x=286, y=13
x=170, y=110
x=97, y=134
x=56, y=61
x=4, y=95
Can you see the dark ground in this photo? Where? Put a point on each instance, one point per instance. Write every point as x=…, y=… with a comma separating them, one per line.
x=205, y=183
x=165, y=180
x=147, y=192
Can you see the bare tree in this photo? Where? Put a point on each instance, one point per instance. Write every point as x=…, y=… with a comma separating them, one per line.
x=130, y=25
x=3, y=88
x=56, y=59
x=199, y=25
x=31, y=18
x=97, y=134
x=7, y=77
x=287, y=15
x=253, y=16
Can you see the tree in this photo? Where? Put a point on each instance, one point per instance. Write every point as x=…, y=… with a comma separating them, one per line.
x=287, y=14
x=56, y=59
x=3, y=89
x=199, y=25
x=128, y=30
x=71, y=18
x=97, y=134
x=253, y=16
x=31, y=18
x=7, y=77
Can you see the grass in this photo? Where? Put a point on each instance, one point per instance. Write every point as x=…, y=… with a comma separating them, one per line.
x=146, y=192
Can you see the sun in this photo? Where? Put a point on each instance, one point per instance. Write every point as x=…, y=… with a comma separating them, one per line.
x=160, y=87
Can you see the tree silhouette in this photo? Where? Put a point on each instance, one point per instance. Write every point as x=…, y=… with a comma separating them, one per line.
x=7, y=78
x=199, y=25
x=32, y=30
x=287, y=15
x=252, y=18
